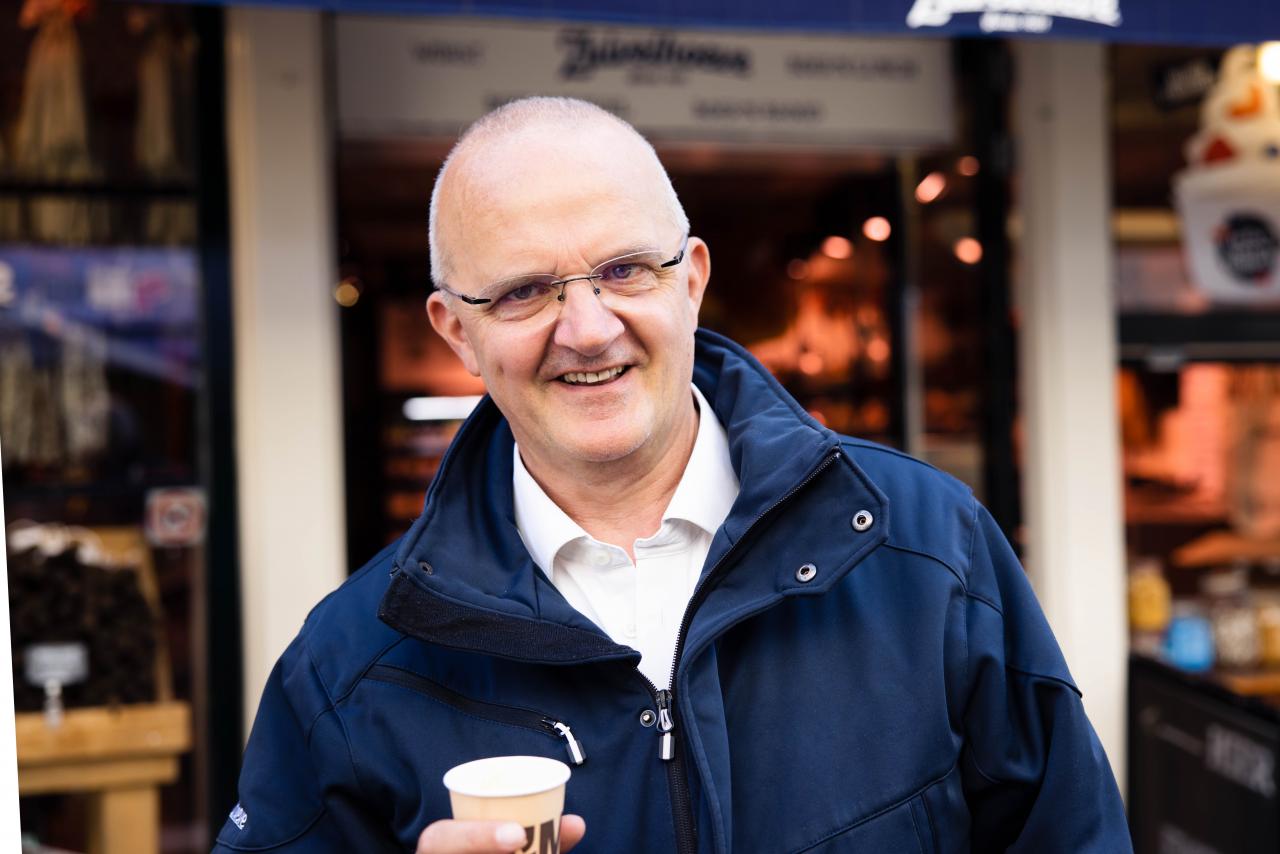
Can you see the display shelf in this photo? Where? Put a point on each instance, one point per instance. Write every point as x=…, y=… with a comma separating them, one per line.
x=119, y=757
x=1251, y=683
x=1166, y=506
x=1218, y=548
x=143, y=190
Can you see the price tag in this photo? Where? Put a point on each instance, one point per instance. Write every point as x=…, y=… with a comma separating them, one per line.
x=64, y=663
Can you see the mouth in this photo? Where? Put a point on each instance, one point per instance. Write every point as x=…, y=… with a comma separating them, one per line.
x=590, y=378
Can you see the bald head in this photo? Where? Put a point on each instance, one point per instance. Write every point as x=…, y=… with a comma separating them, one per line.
x=542, y=134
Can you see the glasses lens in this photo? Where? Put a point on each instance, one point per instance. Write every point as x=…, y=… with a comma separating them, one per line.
x=630, y=274
x=522, y=298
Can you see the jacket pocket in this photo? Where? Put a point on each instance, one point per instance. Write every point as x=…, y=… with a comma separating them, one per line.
x=510, y=715
x=905, y=828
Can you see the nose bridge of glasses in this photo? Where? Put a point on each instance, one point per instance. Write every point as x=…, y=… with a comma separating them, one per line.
x=586, y=277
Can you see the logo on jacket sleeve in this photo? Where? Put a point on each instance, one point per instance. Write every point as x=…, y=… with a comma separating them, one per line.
x=239, y=817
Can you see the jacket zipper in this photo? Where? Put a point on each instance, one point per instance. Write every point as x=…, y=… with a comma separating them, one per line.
x=681, y=802
x=526, y=718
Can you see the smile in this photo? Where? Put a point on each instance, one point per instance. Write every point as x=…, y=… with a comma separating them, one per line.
x=594, y=378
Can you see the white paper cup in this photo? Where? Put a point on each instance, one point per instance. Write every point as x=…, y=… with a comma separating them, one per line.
x=528, y=790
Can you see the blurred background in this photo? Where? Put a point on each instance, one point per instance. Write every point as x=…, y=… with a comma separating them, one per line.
x=1041, y=252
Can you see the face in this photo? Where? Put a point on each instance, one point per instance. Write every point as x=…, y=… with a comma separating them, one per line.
x=562, y=203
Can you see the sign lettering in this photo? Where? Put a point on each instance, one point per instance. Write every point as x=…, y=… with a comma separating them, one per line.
x=1034, y=16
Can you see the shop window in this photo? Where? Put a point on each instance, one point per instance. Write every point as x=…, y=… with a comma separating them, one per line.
x=104, y=393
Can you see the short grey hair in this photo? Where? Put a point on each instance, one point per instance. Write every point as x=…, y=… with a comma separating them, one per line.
x=516, y=116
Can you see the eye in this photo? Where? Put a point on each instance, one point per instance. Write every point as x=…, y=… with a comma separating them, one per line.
x=623, y=272
x=525, y=292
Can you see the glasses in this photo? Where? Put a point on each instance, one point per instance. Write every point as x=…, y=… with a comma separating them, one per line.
x=526, y=297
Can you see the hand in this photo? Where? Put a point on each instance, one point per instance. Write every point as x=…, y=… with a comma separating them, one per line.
x=448, y=836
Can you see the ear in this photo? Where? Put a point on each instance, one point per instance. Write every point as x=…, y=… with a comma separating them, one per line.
x=448, y=325
x=698, y=257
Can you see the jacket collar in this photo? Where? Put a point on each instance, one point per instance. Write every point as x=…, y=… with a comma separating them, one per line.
x=463, y=577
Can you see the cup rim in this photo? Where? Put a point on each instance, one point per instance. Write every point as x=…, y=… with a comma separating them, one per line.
x=539, y=774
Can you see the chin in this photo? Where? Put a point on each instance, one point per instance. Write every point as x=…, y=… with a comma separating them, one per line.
x=606, y=447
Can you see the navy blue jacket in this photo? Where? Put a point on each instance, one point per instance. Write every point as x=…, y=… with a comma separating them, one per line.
x=905, y=694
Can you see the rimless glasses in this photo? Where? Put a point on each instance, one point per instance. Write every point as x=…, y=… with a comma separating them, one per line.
x=525, y=297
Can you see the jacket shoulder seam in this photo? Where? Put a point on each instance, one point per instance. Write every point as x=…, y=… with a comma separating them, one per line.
x=854, y=442
x=1066, y=683
x=978, y=597
x=973, y=533
x=333, y=699
x=310, y=663
x=933, y=557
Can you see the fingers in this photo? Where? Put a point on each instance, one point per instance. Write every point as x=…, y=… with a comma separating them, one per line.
x=572, y=829
x=471, y=837
x=489, y=837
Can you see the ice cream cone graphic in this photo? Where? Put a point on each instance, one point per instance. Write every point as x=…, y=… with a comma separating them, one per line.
x=1228, y=196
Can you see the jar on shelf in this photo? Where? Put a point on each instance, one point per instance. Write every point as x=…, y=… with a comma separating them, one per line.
x=1269, y=628
x=1189, y=642
x=1150, y=606
x=1235, y=623
x=1150, y=601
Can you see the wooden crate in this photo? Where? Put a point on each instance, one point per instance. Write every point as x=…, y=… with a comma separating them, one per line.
x=118, y=757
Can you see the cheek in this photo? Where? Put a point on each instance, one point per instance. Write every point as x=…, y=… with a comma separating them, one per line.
x=510, y=360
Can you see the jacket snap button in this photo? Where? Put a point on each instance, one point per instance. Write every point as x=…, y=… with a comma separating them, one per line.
x=647, y=718
x=806, y=572
x=862, y=520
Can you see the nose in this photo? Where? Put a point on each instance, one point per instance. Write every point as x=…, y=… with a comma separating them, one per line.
x=585, y=324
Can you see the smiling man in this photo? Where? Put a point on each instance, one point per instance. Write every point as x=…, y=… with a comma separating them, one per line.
x=640, y=555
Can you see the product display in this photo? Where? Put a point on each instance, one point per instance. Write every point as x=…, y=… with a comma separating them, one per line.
x=1150, y=606
x=62, y=592
x=1189, y=643
x=1269, y=629
x=1235, y=625
x=1150, y=603
x=1254, y=489
x=52, y=140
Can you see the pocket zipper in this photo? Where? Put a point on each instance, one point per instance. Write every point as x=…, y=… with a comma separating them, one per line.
x=513, y=715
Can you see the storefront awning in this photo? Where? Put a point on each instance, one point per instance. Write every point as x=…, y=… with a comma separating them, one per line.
x=1138, y=21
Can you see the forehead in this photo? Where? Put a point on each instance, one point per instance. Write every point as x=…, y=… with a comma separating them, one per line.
x=538, y=202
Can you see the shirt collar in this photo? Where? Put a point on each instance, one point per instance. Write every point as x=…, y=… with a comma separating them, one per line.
x=704, y=496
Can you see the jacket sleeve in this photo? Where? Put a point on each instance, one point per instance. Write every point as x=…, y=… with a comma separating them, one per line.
x=1034, y=771
x=298, y=793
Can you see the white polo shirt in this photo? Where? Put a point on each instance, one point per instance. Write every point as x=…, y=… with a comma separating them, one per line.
x=639, y=604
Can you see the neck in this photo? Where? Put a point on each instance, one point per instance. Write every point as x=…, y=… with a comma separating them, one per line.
x=619, y=501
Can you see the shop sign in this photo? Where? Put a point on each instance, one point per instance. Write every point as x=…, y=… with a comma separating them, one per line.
x=175, y=516
x=1014, y=16
x=1183, y=84
x=433, y=77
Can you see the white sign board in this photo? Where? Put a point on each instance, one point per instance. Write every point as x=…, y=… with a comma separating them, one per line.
x=433, y=76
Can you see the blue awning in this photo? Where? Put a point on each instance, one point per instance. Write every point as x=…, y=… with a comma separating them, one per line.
x=1189, y=22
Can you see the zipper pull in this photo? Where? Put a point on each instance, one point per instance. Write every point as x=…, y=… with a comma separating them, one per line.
x=576, y=754
x=666, y=735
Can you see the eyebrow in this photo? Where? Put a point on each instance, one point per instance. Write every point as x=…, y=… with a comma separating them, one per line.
x=634, y=249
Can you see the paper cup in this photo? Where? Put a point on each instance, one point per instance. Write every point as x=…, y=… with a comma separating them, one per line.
x=528, y=790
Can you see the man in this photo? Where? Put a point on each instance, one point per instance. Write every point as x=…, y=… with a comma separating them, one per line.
x=640, y=555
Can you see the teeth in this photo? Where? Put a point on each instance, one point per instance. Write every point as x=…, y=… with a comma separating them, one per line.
x=590, y=377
